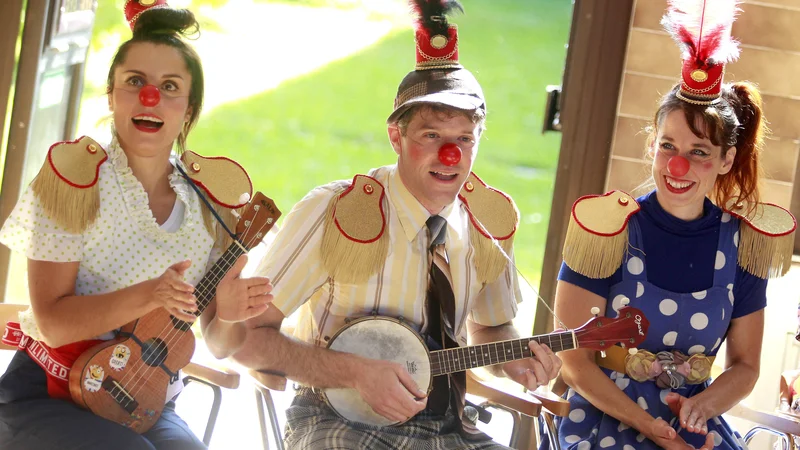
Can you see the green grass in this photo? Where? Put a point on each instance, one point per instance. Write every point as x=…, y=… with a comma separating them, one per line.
x=330, y=124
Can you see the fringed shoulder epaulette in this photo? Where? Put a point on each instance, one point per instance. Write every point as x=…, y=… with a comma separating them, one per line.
x=494, y=218
x=355, y=243
x=225, y=183
x=597, y=233
x=66, y=185
x=766, y=238
x=223, y=179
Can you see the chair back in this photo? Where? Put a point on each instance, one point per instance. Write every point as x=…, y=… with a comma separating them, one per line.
x=9, y=313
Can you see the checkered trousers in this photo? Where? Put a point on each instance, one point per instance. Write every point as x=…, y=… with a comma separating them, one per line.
x=312, y=425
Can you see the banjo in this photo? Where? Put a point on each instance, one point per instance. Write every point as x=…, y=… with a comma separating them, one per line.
x=385, y=338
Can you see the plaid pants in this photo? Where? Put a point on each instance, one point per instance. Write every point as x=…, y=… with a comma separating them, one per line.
x=312, y=425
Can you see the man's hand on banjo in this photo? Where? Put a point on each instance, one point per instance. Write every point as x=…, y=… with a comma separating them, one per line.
x=536, y=371
x=388, y=389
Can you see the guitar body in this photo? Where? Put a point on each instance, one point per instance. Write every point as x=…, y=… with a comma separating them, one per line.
x=378, y=337
x=123, y=380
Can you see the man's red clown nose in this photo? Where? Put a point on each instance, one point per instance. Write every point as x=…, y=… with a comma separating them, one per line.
x=149, y=96
x=678, y=166
x=450, y=154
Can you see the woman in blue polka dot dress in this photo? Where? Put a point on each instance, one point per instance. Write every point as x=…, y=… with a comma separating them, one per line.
x=675, y=254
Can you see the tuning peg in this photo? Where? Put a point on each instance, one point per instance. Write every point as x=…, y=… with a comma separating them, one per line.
x=602, y=353
x=244, y=198
x=633, y=350
x=595, y=311
x=236, y=214
x=624, y=301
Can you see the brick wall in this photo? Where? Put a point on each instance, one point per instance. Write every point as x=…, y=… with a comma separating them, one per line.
x=769, y=32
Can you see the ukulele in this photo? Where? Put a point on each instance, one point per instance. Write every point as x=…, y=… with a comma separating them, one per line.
x=390, y=339
x=125, y=380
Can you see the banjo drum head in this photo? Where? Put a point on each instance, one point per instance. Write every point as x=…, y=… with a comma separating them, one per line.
x=378, y=338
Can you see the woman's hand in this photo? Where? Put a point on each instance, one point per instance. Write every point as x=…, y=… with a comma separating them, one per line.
x=690, y=413
x=173, y=293
x=239, y=299
x=665, y=437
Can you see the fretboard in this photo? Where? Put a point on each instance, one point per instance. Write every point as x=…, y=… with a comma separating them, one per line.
x=206, y=289
x=463, y=358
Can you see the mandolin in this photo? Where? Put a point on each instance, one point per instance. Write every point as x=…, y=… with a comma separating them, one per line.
x=385, y=338
x=125, y=380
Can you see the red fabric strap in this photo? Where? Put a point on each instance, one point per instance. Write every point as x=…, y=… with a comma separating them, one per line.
x=56, y=362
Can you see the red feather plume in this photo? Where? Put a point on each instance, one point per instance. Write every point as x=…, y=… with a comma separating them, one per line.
x=703, y=29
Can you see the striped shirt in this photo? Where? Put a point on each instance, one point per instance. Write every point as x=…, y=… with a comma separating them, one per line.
x=399, y=288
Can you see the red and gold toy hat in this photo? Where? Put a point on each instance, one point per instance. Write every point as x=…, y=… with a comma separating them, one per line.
x=438, y=78
x=702, y=28
x=135, y=8
x=437, y=40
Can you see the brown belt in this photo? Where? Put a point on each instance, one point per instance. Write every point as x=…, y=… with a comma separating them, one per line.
x=616, y=359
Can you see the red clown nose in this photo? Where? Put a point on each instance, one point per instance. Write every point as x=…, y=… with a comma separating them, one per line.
x=450, y=154
x=678, y=166
x=149, y=96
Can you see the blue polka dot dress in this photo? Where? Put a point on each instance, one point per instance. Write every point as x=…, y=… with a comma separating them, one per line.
x=691, y=321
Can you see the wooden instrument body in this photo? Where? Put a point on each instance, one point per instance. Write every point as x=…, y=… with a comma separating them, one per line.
x=93, y=374
x=384, y=338
x=126, y=380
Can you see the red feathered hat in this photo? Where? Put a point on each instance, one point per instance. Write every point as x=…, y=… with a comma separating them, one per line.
x=703, y=30
x=135, y=8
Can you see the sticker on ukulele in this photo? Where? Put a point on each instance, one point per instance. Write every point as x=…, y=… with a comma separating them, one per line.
x=94, y=378
x=120, y=357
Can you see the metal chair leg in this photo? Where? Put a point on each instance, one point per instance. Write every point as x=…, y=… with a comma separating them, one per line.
x=552, y=431
x=786, y=440
x=261, y=421
x=264, y=397
x=212, y=416
x=515, y=416
x=273, y=419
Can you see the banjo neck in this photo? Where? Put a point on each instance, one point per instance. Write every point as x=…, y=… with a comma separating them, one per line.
x=459, y=359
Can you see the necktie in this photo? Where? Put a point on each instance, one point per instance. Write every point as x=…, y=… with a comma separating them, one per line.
x=447, y=389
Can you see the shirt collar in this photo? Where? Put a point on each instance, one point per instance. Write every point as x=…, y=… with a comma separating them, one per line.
x=413, y=215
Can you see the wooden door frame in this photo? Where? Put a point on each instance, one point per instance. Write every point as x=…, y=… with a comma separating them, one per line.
x=9, y=31
x=33, y=35
x=590, y=92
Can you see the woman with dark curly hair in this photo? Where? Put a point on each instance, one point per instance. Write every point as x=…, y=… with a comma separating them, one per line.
x=113, y=233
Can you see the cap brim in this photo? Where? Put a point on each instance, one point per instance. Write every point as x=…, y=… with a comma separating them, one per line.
x=459, y=101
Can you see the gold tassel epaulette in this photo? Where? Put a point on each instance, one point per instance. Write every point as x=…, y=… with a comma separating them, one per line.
x=223, y=179
x=355, y=242
x=494, y=218
x=597, y=233
x=66, y=185
x=766, y=238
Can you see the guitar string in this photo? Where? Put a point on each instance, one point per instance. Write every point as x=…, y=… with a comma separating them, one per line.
x=442, y=361
x=174, y=333
x=445, y=357
x=139, y=378
x=169, y=326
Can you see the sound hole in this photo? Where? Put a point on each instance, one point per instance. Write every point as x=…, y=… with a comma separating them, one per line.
x=154, y=352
